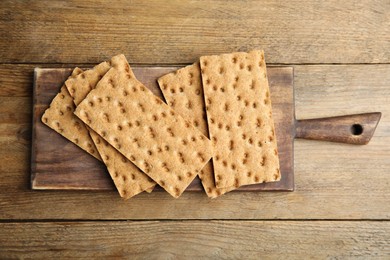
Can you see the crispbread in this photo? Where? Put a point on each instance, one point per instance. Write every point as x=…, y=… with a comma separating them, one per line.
x=183, y=91
x=91, y=76
x=83, y=83
x=150, y=189
x=144, y=129
x=128, y=179
x=59, y=116
x=239, y=114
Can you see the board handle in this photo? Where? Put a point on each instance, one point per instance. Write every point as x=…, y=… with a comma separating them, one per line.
x=350, y=129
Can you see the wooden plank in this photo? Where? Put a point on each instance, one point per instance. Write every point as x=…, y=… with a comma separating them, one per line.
x=321, y=91
x=15, y=140
x=197, y=239
x=333, y=181
x=15, y=110
x=15, y=80
x=157, y=32
x=15, y=131
x=59, y=164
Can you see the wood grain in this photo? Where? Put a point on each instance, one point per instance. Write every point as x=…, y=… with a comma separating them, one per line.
x=350, y=129
x=57, y=163
x=154, y=32
x=333, y=181
x=16, y=79
x=196, y=239
x=13, y=77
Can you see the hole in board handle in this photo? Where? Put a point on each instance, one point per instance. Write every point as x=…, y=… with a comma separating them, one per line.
x=356, y=129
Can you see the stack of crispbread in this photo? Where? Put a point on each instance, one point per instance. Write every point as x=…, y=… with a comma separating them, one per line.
x=219, y=108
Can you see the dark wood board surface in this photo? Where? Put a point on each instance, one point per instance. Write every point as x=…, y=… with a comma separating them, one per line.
x=57, y=163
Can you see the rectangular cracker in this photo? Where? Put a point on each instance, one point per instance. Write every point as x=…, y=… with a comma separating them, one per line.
x=82, y=84
x=128, y=179
x=183, y=91
x=145, y=130
x=239, y=114
x=59, y=117
x=150, y=190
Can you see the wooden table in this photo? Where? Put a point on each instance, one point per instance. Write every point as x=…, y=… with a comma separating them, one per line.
x=340, y=51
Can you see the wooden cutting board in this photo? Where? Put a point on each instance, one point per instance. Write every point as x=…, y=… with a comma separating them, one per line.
x=56, y=163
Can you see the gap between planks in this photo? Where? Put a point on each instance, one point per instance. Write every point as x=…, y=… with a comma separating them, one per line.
x=183, y=220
